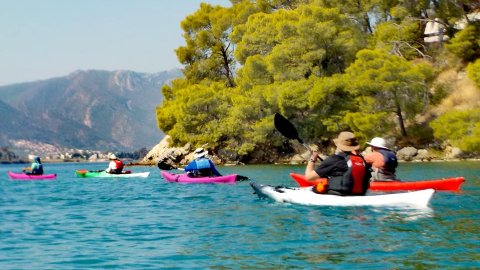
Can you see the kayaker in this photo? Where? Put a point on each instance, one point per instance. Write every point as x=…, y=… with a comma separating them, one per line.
x=201, y=166
x=383, y=160
x=346, y=171
x=36, y=168
x=115, y=166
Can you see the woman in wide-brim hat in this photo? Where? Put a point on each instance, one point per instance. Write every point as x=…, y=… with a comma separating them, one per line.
x=200, y=152
x=201, y=166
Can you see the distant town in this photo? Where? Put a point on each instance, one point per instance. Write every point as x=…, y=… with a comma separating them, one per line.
x=23, y=152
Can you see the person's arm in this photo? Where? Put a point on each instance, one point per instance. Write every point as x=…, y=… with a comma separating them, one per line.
x=310, y=173
x=214, y=170
x=111, y=166
x=191, y=166
x=375, y=159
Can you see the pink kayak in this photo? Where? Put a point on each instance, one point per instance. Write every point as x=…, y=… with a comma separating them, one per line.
x=184, y=178
x=24, y=176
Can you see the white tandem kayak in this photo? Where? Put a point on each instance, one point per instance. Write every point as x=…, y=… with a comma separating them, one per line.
x=306, y=196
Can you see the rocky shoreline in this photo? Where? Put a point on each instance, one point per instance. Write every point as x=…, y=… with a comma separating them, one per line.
x=180, y=156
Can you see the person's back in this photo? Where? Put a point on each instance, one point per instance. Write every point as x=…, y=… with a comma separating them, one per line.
x=115, y=166
x=383, y=160
x=347, y=172
x=201, y=166
x=37, y=166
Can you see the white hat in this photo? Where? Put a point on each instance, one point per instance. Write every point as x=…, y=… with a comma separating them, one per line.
x=200, y=152
x=112, y=156
x=378, y=142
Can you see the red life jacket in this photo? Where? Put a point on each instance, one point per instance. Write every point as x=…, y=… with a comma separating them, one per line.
x=355, y=180
x=358, y=169
x=119, y=165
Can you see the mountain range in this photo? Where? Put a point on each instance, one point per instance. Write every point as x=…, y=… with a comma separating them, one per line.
x=92, y=109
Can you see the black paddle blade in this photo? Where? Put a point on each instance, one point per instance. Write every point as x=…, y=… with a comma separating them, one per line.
x=242, y=178
x=285, y=127
x=165, y=166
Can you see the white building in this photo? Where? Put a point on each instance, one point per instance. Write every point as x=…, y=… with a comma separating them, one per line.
x=435, y=32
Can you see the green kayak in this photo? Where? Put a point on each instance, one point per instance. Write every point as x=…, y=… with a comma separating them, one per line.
x=103, y=174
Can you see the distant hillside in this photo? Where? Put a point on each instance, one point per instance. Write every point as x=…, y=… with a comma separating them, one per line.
x=87, y=109
x=15, y=124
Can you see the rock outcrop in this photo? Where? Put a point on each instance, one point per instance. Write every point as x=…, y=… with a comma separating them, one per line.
x=163, y=151
x=181, y=156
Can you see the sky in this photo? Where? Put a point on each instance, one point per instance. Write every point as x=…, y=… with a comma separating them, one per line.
x=42, y=39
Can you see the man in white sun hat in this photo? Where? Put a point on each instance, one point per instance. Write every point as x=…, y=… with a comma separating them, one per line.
x=383, y=160
x=115, y=166
x=201, y=166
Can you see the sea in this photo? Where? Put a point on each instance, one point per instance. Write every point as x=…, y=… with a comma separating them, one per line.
x=147, y=223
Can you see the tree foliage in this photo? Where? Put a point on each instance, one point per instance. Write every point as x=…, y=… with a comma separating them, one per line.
x=466, y=43
x=326, y=65
x=474, y=72
x=397, y=85
x=208, y=53
x=459, y=128
x=295, y=44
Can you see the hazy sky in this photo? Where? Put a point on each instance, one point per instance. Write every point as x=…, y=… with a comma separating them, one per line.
x=41, y=39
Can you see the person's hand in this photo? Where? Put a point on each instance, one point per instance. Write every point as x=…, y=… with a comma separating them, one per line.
x=313, y=155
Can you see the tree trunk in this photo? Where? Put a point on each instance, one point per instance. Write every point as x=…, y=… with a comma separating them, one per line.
x=226, y=66
x=400, y=120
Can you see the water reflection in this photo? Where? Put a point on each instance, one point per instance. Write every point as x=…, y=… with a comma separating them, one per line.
x=405, y=214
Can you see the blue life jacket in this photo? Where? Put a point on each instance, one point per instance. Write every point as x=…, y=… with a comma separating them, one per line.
x=390, y=160
x=202, y=163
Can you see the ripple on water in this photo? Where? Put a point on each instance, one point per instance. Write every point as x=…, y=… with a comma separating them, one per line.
x=74, y=223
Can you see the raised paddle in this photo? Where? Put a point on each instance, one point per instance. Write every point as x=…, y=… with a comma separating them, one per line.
x=287, y=129
x=165, y=166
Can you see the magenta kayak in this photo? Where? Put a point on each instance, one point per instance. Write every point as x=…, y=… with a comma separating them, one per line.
x=24, y=176
x=184, y=178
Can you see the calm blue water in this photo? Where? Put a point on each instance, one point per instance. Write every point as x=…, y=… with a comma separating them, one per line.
x=74, y=223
